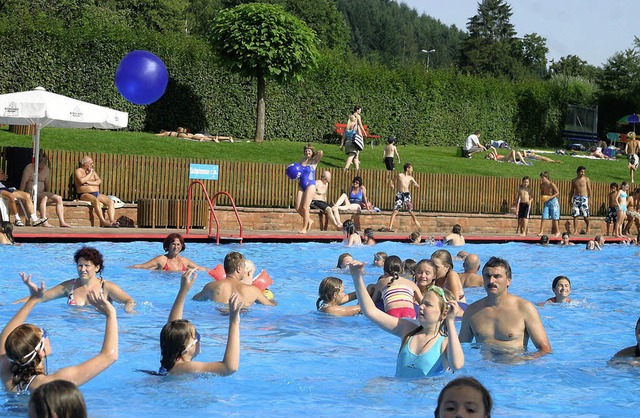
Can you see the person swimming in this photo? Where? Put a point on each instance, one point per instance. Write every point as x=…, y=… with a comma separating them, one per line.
x=173, y=245
x=331, y=297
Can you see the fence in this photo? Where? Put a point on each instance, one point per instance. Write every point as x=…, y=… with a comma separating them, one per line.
x=132, y=178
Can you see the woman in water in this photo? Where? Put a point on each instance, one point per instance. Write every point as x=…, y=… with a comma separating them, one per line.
x=429, y=347
x=464, y=397
x=25, y=347
x=173, y=244
x=331, y=297
x=446, y=277
x=561, y=287
x=180, y=342
x=307, y=185
x=351, y=233
x=89, y=263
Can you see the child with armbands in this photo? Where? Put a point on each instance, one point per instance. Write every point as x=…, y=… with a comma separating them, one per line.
x=180, y=342
x=429, y=347
x=331, y=297
x=397, y=294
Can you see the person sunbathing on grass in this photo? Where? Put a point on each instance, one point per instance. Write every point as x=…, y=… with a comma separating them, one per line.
x=533, y=156
x=182, y=133
x=511, y=157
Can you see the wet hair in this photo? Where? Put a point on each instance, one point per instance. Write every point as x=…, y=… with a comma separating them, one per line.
x=557, y=279
x=58, y=398
x=392, y=267
x=444, y=256
x=544, y=240
x=170, y=238
x=414, y=236
x=406, y=166
x=90, y=254
x=442, y=329
x=457, y=229
x=358, y=179
x=566, y=234
x=329, y=287
x=341, y=258
x=7, y=229
x=427, y=262
x=21, y=347
x=174, y=338
x=311, y=147
x=368, y=232
x=590, y=242
x=232, y=262
x=381, y=255
x=468, y=382
x=498, y=262
x=349, y=227
x=409, y=265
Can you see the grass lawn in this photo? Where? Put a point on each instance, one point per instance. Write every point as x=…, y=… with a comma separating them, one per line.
x=423, y=159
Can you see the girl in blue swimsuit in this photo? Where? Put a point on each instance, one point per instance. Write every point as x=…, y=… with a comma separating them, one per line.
x=427, y=349
x=307, y=186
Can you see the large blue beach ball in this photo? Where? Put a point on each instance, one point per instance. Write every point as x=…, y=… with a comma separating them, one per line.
x=294, y=171
x=141, y=77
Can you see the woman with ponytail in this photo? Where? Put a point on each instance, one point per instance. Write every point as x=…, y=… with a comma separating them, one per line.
x=399, y=297
x=25, y=347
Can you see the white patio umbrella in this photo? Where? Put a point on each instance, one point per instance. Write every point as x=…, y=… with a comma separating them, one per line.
x=41, y=108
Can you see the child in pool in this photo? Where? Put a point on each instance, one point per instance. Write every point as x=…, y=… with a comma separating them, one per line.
x=57, y=399
x=180, y=342
x=446, y=276
x=378, y=258
x=351, y=233
x=424, y=274
x=561, y=287
x=427, y=348
x=344, y=260
x=331, y=296
x=464, y=397
x=408, y=266
x=398, y=295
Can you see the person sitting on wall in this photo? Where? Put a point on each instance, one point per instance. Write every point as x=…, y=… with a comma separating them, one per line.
x=88, y=187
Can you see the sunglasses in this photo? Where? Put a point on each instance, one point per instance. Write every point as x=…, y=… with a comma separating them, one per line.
x=192, y=343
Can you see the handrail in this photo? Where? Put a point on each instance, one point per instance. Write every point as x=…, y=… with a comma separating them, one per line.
x=212, y=209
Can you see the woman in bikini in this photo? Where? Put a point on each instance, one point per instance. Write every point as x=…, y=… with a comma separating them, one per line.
x=446, y=277
x=89, y=263
x=173, y=244
x=307, y=185
x=24, y=347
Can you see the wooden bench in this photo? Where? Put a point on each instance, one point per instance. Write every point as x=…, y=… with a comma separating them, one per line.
x=341, y=127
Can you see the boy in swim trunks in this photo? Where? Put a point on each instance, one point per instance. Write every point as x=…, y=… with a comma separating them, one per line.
x=611, y=216
x=403, y=196
x=522, y=205
x=551, y=210
x=579, y=198
x=631, y=149
x=388, y=158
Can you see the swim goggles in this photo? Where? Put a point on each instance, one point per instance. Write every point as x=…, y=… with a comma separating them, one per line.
x=439, y=291
x=32, y=355
x=192, y=344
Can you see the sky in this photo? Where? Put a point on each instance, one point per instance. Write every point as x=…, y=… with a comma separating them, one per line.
x=593, y=30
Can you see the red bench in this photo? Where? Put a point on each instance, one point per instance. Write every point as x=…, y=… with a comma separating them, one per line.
x=341, y=127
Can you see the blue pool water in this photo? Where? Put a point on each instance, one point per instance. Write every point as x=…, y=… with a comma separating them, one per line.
x=297, y=362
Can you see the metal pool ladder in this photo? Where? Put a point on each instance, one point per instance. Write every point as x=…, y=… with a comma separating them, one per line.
x=212, y=212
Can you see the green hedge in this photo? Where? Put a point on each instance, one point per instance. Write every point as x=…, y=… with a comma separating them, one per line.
x=438, y=107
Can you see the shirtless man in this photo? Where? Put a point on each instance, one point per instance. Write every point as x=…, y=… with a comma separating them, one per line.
x=320, y=201
x=44, y=195
x=470, y=277
x=579, y=198
x=631, y=149
x=549, y=197
x=88, y=187
x=522, y=205
x=403, y=196
x=220, y=290
x=11, y=194
x=502, y=320
x=455, y=238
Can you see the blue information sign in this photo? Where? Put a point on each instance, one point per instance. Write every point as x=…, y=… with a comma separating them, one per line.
x=203, y=171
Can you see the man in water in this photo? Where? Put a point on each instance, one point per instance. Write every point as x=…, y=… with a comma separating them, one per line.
x=221, y=290
x=88, y=187
x=500, y=319
x=470, y=277
x=579, y=198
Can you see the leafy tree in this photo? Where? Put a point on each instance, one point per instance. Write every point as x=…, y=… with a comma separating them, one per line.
x=263, y=41
x=491, y=47
x=534, y=53
x=573, y=66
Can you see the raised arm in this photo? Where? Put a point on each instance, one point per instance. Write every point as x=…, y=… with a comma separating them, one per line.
x=455, y=355
x=86, y=371
x=186, y=281
x=55, y=292
x=36, y=294
x=396, y=326
x=115, y=293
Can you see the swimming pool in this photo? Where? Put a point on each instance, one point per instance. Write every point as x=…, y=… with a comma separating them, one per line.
x=297, y=362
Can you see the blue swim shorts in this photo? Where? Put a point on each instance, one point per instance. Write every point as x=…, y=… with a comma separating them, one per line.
x=551, y=209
